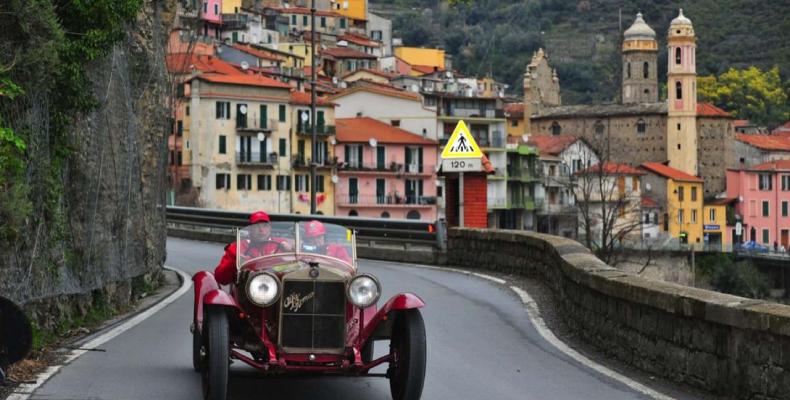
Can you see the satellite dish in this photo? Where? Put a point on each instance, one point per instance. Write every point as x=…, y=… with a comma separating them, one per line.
x=415, y=88
x=261, y=136
x=343, y=85
x=243, y=109
x=373, y=142
x=334, y=80
x=342, y=43
x=245, y=65
x=333, y=141
x=448, y=74
x=525, y=138
x=334, y=179
x=305, y=116
x=648, y=187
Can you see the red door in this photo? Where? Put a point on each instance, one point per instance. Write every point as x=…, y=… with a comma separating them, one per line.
x=785, y=238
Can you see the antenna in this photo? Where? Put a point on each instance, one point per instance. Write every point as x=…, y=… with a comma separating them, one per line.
x=245, y=65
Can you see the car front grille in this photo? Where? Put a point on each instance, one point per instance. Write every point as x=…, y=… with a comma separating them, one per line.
x=313, y=315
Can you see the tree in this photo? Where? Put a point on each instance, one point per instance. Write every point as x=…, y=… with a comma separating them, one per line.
x=752, y=94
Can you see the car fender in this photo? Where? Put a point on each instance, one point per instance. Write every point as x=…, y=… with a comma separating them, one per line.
x=208, y=293
x=379, y=326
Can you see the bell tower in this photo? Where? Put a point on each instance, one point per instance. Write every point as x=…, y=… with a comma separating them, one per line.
x=682, y=95
x=640, y=59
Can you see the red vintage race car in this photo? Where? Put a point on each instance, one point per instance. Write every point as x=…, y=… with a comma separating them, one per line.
x=300, y=305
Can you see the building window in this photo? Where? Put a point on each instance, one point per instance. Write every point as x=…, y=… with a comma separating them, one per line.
x=223, y=148
x=385, y=215
x=302, y=183
x=766, y=236
x=304, y=20
x=628, y=70
x=677, y=55
x=712, y=215
x=323, y=22
x=216, y=9
x=180, y=128
x=646, y=70
x=577, y=165
x=353, y=213
x=413, y=214
x=187, y=111
x=766, y=208
x=223, y=110
x=319, y=183
x=243, y=182
x=680, y=217
x=514, y=123
x=353, y=155
x=376, y=35
x=765, y=182
x=693, y=193
x=282, y=113
x=293, y=19
x=342, y=23
x=786, y=183
x=640, y=126
x=681, y=196
x=205, y=7
x=179, y=158
x=693, y=216
x=282, y=149
x=784, y=208
x=395, y=123
x=599, y=128
x=678, y=91
x=284, y=183
x=241, y=115
x=264, y=182
x=223, y=181
x=555, y=128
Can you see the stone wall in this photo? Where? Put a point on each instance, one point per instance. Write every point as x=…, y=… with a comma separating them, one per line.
x=724, y=344
x=715, y=152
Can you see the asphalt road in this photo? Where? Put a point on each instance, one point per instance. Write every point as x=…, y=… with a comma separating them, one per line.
x=481, y=345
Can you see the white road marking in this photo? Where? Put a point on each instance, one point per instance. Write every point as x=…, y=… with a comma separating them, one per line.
x=540, y=325
x=23, y=392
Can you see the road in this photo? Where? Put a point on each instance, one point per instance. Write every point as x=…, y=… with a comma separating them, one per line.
x=481, y=345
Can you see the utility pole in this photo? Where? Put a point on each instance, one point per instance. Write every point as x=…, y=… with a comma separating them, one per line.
x=312, y=107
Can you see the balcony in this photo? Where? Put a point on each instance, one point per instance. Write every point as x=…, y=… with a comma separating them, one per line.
x=321, y=130
x=299, y=161
x=256, y=159
x=473, y=113
x=392, y=168
x=495, y=140
x=522, y=173
x=235, y=22
x=290, y=72
x=385, y=201
x=250, y=125
x=496, y=202
x=526, y=203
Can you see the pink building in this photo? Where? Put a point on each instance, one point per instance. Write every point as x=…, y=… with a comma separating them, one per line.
x=211, y=18
x=384, y=171
x=764, y=201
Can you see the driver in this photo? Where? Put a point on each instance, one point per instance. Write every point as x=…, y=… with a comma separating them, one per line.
x=260, y=243
x=314, y=241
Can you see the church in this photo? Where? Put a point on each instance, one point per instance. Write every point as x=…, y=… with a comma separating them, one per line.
x=696, y=138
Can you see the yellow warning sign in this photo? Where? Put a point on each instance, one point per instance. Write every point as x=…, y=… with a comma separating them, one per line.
x=461, y=144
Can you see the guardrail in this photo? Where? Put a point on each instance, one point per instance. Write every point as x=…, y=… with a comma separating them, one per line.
x=392, y=231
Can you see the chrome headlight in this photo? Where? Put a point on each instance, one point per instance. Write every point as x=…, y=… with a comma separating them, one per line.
x=263, y=289
x=364, y=290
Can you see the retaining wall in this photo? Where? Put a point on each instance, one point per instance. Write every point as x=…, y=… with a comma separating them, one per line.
x=724, y=344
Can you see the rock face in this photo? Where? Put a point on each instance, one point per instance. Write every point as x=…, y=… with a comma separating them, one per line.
x=114, y=200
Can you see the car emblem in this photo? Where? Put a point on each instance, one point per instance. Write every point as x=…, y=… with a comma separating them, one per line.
x=313, y=270
x=293, y=302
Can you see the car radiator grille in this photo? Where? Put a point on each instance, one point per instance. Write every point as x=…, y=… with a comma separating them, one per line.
x=313, y=315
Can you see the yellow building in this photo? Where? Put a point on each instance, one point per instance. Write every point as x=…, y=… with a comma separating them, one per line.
x=231, y=6
x=354, y=9
x=421, y=56
x=714, y=225
x=514, y=113
x=682, y=95
x=299, y=51
x=680, y=196
x=302, y=154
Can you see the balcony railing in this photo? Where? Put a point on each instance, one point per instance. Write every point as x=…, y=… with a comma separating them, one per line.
x=321, y=130
x=235, y=21
x=256, y=158
x=496, y=202
x=390, y=200
x=299, y=161
x=392, y=167
x=474, y=113
x=250, y=124
x=288, y=71
x=526, y=203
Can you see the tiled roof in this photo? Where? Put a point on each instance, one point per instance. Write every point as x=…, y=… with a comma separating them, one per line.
x=378, y=88
x=305, y=10
x=362, y=129
x=612, y=168
x=185, y=63
x=426, y=69
x=345, y=52
x=303, y=99
x=603, y=110
x=782, y=129
x=647, y=202
x=740, y=122
x=765, y=142
x=514, y=110
x=776, y=165
x=262, y=54
x=553, y=145
x=709, y=110
x=380, y=73
x=359, y=39
x=242, y=79
x=669, y=172
x=720, y=202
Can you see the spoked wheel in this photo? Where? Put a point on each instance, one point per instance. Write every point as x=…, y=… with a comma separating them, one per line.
x=198, y=359
x=407, y=348
x=215, y=371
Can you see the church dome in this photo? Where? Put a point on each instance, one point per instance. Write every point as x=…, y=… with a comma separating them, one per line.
x=680, y=20
x=640, y=30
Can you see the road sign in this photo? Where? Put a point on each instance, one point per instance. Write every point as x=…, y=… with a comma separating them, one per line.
x=461, y=165
x=461, y=144
x=738, y=228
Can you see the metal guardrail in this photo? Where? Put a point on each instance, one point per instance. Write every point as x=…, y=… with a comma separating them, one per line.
x=399, y=231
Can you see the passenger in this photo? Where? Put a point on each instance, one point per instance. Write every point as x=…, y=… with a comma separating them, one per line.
x=260, y=243
x=314, y=242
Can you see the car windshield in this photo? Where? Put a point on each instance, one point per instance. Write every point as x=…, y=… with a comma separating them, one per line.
x=326, y=239
x=264, y=239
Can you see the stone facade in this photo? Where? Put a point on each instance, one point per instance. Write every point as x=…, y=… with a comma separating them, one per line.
x=716, y=151
x=723, y=344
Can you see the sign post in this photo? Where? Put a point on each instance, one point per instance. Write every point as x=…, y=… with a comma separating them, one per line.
x=461, y=154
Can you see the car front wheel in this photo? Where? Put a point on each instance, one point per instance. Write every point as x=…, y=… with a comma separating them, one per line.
x=215, y=372
x=407, y=349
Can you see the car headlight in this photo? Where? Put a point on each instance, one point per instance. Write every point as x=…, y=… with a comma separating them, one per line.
x=364, y=291
x=263, y=289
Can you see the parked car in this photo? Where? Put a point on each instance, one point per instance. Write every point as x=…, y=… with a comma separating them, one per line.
x=754, y=247
x=300, y=310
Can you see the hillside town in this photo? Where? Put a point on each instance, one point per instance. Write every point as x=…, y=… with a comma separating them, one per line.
x=652, y=170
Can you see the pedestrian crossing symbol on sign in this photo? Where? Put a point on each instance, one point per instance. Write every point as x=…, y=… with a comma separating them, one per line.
x=461, y=144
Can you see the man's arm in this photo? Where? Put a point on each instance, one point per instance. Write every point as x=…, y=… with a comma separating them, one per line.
x=225, y=273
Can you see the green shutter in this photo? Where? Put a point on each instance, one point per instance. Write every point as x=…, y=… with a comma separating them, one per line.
x=264, y=117
x=222, y=144
x=282, y=148
x=282, y=113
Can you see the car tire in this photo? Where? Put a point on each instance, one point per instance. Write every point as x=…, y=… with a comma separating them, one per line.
x=197, y=343
x=408, y=350
x=216, y=371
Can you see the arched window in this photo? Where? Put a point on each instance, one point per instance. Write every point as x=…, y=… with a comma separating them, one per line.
x=678, y=91
x=677, y=55
x=646, y=70
x=599, y=128
x=385, y=215
x=628, y=69
x=413, y=214
x=353, y=213
x=555, y=128
x=641, y=127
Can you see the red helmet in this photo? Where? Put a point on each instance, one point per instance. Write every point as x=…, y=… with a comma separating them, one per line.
x=259, y=216
x=313, y=229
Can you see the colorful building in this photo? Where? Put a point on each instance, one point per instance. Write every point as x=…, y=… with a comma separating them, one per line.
x=715, y=224
x=211, y=18
x=339, y=61
x=763, y=207
x=681, y=198
x=384, y=171
x=421, y=56
x=609, y=195
x=514, y=112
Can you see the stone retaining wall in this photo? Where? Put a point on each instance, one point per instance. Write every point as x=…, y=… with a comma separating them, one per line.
x=727, y=345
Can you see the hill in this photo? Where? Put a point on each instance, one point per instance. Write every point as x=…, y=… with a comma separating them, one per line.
x=582, y=37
